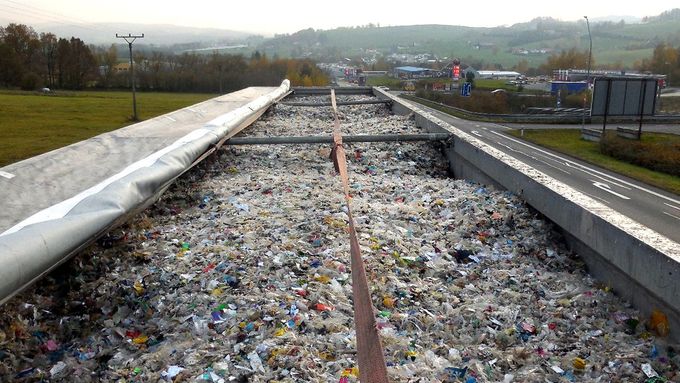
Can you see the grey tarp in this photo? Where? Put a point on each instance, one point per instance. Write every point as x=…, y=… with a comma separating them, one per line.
x=55, y=203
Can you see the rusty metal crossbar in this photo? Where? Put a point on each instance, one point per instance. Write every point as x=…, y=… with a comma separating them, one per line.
x=291, y=140
x=339, y=103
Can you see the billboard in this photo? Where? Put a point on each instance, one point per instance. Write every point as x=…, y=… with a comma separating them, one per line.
x=624, y=97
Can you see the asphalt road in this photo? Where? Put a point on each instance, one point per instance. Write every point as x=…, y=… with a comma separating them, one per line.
x=656, y=128
x=657, y=209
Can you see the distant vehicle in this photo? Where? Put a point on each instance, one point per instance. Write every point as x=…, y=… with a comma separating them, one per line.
x=383, y=87
x=499, y=91
x=46, y=90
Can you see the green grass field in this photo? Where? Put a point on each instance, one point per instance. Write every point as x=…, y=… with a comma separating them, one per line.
x=568, y=141
x=31, y=124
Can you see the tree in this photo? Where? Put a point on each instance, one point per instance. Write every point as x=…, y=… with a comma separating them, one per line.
x=522, y=66
x=107, y=60
x=63, y=57
x=571, y=58
x=10, y=66
x=470, y=77
x=84, y=63
x=664, y=60
x=23, y=49
x=75, y=63
x=48, y=47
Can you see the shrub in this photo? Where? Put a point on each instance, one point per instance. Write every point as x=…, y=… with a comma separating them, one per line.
x=31, y=81
x=660, y=156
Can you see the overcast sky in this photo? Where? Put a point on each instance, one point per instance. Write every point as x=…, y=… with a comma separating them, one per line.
x=269, y=17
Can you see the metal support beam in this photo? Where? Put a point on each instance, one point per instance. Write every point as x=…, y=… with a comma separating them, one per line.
x=367, y=90
x=292, y=140
x=339, y=103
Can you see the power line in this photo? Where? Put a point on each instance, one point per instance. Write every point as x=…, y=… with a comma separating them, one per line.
x=24, y=10
x=45, y=13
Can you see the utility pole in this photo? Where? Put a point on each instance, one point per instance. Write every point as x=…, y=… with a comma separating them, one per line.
x=130, y=38
x=590, y=58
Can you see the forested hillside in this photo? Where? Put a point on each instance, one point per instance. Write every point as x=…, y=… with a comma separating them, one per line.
x=615, y=44
x=29, y=61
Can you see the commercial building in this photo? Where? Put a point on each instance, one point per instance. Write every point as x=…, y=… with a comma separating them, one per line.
x=413, y=72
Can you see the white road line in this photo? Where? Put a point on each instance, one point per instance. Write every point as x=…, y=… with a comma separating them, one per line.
x=593, y=170
x=9, y=176
x=170, y=118
x=553, y=159
x=596, y=176
x=476, y=133
x=606, y=188
x=594, y=196
x=674, y=216
x=532, y=157
x=507, y=147
x=553, y=166
x=501, y=126
x=669, y=205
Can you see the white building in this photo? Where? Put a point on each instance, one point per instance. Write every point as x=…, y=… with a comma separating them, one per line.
x=497, y=74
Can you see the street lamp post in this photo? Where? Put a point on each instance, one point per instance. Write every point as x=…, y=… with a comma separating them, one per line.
x=590, y=57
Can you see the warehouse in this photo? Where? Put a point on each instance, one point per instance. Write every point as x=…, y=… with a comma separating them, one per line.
x=413, y=72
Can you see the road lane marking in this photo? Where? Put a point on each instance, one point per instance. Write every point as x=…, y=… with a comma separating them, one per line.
x=594, y=196
x=669, y=205
x=605, y=187
x=532, y=157
x=596, y=176
x=553, y=166
x=170, y=118
x=593, y=170
x=500, y=126
x=476, y=133
x=9, y=176
x=674, y=216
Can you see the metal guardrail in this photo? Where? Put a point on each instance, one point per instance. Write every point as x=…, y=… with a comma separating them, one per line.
x=570, y=118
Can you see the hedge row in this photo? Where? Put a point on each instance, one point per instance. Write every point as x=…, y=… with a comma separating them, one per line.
x=660, y=156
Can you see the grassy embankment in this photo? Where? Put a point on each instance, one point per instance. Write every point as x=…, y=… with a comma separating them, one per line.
x=31, y=123
x=482, y=84
x=568, y=141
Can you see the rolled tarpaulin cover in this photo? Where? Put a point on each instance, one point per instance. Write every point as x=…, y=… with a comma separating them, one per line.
x=38, y=244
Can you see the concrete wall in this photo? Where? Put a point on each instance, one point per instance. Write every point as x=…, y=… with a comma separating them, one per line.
x=641, y=265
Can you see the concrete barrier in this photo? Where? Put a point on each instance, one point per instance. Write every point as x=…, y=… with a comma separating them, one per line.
x=591, y=134
x=641, y=265
x=631, y=134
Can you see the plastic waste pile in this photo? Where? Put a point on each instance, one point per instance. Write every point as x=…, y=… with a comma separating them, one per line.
x=241, y=272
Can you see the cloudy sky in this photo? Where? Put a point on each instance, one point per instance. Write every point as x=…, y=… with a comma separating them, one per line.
x=269, y=17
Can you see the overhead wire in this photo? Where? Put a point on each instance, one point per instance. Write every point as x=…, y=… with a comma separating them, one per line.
x=27, y=10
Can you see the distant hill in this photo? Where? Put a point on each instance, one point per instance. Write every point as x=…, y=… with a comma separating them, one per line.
x=616, y=18
x=618, y=44
x=154, y=34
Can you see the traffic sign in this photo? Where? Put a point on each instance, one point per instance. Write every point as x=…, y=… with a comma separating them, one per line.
x=466, y=89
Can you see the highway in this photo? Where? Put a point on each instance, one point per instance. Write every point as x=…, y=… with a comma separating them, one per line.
x=657, y=209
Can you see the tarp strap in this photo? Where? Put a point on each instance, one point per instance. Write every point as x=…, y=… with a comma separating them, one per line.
x=372, y=368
